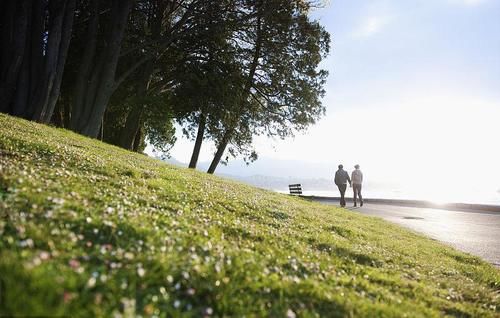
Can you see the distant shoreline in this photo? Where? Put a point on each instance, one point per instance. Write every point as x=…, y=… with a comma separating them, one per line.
x=404, y=197
x=469, y=207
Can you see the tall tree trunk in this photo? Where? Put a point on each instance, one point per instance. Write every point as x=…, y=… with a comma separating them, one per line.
x=220, y=151
x=33, y=56
x=132, y=126
x=100, y=135
x=58, y=115
x=66, y=114
x=38, y=28
x=33, y=61
x=7, y=17
x=20, y=104
x=104, y=75
x=97, y=78
x=138, y=140
x=84, y=70
x=199, y=141
x=62, y=53
x=134, y=117
x=15, y=31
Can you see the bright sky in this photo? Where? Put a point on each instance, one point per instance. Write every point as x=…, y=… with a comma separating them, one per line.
x=413, y=94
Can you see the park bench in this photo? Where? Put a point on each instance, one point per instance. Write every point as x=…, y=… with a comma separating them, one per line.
x=295, y=189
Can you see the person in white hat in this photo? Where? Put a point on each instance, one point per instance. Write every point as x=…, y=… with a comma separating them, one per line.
x=357, y=181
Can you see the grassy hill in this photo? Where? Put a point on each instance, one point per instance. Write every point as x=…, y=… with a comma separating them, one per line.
x=88, y=229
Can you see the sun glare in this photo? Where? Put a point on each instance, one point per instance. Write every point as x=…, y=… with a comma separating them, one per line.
x=439, y=149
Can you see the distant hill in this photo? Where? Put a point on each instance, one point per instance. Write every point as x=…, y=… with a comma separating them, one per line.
x=273, y=174
x=281, y=184
x=276, y=168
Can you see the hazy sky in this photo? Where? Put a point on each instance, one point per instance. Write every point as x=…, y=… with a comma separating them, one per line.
x=413, y=93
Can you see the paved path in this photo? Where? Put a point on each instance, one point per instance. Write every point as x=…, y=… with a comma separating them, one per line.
x=477, y=233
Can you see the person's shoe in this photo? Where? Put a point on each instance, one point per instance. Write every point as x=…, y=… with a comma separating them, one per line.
x=361, y=204
x=355, y=205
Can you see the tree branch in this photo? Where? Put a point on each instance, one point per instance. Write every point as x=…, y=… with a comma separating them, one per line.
x=130, y=70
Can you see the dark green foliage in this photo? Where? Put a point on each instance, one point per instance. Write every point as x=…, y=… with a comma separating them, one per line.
x=158, y=124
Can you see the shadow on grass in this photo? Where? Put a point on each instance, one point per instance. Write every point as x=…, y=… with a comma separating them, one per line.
x=242, y=234
x=464, y=259
x=346, y=253
x=98, y=234
x=456, y=312
x=345, y=233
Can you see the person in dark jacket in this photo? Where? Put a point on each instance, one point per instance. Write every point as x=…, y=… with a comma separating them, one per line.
x=341, y=179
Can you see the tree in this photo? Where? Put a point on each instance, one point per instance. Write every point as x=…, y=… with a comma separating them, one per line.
x=205, y=79
x=205, y=92
x=279, y=50
x=228, y=70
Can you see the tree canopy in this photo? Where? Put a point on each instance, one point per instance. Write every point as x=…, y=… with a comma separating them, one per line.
x=130, y=71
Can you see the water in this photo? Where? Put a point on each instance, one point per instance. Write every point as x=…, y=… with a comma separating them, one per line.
x=445, y=196
x=453, y=191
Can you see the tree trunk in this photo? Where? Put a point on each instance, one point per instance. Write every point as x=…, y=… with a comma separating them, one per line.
x=21, y=95
x=100, y=135
x=61, y=14
x=220, y=151
x=137, y=140
x=199, y=141
x=79, y=94
x=33, y=56
x=36, y=59
x=131, y=128
x=15, y=28
x=7, y=18
x=62, y=53
x=134, y=117
x=96, y=76
x=58, y=115
x=32, y=61
x=104, y=75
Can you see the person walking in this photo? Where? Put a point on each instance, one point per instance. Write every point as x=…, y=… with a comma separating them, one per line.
x=357, y=181
x=341, y=179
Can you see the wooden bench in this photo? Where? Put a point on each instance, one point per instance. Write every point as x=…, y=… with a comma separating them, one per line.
x=295, y=189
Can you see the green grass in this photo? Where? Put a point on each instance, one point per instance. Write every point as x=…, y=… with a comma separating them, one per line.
x=88, y=229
